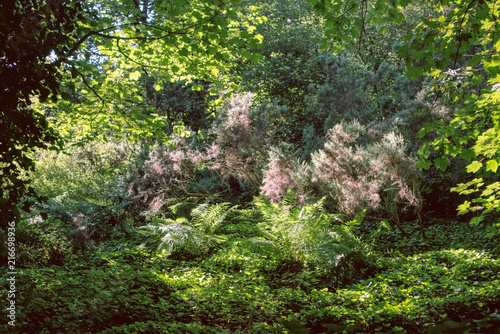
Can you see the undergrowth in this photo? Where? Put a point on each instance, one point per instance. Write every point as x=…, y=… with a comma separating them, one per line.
x=263, y=279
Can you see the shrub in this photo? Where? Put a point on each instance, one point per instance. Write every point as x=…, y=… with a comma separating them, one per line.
x=225, y=168
x=281, y=175
x=357, y=177
x=82, y=173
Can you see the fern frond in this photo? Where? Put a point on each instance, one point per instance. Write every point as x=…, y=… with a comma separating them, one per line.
x=194, y=237
x=207, y=217
x=307, y=235
x=172, y=235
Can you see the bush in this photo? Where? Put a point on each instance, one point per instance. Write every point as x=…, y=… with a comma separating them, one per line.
x=82, y=173
x=227, y=168
x=357, y=177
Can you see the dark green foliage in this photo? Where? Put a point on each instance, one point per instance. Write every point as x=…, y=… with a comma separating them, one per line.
x=290, y=49
x=179, y=103
x=41, y=243
x=25, y=73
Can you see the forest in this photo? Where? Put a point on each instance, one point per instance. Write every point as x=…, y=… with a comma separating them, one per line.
x=243, y=166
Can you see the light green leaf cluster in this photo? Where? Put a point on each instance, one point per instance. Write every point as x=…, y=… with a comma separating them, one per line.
x=132, y=43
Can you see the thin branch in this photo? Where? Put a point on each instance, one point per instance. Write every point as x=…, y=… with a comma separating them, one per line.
x=86, y=83
x=460, y=31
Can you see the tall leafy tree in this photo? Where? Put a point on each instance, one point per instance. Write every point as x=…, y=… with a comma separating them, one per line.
x=459, y=48
x=136, y=48
x=30, y=31
x=291, y=34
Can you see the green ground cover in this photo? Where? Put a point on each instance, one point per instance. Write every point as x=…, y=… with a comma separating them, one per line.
x=408, y=285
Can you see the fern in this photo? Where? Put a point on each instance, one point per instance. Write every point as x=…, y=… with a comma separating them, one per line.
x=307, y=235
x=207, y=218
x=193, y=237
x=174, y=236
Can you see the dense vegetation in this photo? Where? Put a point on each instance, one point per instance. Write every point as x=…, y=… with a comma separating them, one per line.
x=249, y=166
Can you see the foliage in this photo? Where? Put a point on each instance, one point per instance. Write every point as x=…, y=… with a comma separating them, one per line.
x=207, y=218
x=42, y=242
x=81, y=172
x=423, y=288
x=132, y=49
x=308, y=236
x=378, y=95
x=189, y=238
x=227, y=167
x=26, y=73
x=99, y=50
x=356, y=177
x=453, y=45
x=470, y=83
x=290, y=65
x=179, y=103
x=82, y=205
x=123, y=243
x=123, y=287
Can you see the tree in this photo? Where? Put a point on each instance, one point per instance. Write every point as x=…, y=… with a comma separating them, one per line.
x=120, y=66
x=290, y=49
x=464, y=62
x=45, y=29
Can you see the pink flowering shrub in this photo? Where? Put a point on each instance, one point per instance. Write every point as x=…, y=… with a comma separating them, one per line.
x=357, y=177
x=284, y=173
x=239, y=159
x=240, y=141
x=345, y=171
x=189, y=167
x=279, y=176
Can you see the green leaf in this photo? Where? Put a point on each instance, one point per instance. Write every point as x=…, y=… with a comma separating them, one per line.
x=135, y=75
x=423, y=164
x=325, y=45
x=421, y=133
x=463, y=208
x=442, y=163
x=468, y=154
x=474, y=167
x=476, y=220
x=492, y=165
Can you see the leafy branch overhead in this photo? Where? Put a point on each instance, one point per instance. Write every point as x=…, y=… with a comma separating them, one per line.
x=154, y=43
